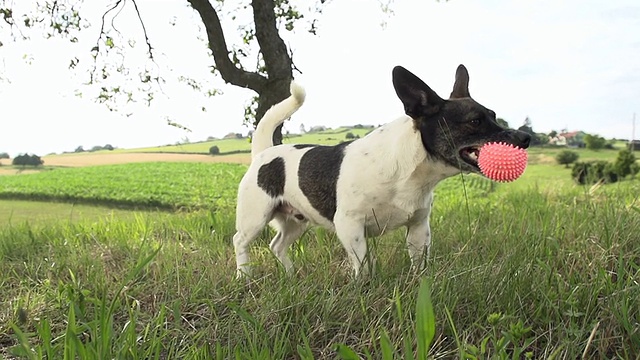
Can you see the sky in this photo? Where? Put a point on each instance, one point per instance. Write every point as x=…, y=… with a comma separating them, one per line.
x=571, y=65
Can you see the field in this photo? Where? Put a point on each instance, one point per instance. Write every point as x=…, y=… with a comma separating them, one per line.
x=157, y=185
x=330, y=136
x=538, y=268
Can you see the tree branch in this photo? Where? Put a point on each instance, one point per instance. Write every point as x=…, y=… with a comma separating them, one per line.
x=274, y=51
x=218, y=45
x=144, y=30
x=117, y=7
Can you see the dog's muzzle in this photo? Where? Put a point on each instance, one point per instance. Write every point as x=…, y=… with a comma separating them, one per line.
x=470, y=155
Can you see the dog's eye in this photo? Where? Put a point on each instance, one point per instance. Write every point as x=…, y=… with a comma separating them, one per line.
x=475, y=122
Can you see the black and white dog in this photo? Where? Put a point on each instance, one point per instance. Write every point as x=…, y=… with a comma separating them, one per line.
x=378, y=183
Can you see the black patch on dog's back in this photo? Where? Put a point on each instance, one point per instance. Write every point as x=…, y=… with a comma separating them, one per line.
x=303, y=146
x=318, y=177
x=271, y=177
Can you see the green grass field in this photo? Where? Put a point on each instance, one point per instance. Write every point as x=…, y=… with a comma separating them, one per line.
x=538, y=268
x=170, y=185
x=328, y=137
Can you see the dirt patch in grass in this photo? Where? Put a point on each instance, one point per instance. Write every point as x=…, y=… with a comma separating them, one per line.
x=14, y=171
x=542, y=159
x=123, y=158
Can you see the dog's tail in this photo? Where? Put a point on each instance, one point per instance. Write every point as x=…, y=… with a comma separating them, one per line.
x=263, y=135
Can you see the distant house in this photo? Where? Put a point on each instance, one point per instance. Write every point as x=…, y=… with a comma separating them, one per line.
x=233, y=136
x=570, y=139
x=317, y=128
x=634, y=145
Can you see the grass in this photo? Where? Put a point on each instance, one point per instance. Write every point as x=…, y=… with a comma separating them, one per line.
x=514, y=270
x=225, y=146
x=547, y=155
x=328, y=137
x=538, y=268
x=17, y=211
x=137, y=185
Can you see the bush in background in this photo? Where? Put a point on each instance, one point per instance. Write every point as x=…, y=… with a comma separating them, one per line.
x=566, y=157
x=593, y=172
x=623, y=162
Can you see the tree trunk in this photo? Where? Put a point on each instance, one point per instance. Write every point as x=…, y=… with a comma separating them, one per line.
x=272, y=94
x=272, y=88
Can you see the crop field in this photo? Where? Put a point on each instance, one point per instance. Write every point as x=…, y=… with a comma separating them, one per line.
x=112, y=158
x=538, y=268
x=162, y=185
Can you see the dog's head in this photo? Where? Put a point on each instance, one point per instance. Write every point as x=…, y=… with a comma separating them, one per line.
x=454, y=130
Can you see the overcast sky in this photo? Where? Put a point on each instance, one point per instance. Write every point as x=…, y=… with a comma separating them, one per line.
x=569, y=64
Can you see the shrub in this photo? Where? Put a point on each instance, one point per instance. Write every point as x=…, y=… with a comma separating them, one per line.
x=593, y=172
x=635, y=169
x=30, y=160
x=349, y=135
x=623, y=162
x=594, y=142
x=567, y=157
x=214, y=150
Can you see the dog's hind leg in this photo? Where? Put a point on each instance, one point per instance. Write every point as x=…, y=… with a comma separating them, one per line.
x=288, y=231
x=249, y=223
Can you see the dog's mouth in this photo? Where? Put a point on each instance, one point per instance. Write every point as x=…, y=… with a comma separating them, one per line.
x=470, y=155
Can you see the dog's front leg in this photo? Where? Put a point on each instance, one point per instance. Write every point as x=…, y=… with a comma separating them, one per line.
x=419, y=241
x=351, y=235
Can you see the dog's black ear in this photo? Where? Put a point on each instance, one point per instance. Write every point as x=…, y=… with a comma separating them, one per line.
x=461, y=86
x=418, y=98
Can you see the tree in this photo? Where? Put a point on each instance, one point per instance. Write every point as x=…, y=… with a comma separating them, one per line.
x=269, y=77
x=623, y=162
x=349, y=136
x=502, y=122
x=4, y=155
x=526, y=127
x=214, y=150
x=542, y=138
x=566, y=157
x=27, y=160
x=553, y=134
x=594, y=142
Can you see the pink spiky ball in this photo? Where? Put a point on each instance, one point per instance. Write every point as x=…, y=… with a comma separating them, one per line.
x=501, y=161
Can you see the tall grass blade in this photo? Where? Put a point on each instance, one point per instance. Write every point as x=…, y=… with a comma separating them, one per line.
x=426, y=320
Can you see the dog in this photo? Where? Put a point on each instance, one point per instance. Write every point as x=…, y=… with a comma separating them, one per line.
x=364, y=187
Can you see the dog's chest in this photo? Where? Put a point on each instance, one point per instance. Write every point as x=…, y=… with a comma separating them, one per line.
x=395, y=209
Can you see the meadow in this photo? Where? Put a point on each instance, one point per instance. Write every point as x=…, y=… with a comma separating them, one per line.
x=538, y=268
x=155, y=185
x=326, y=137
